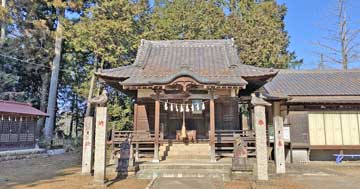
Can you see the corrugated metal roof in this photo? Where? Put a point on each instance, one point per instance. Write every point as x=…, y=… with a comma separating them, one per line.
x=19, y=108
x=211, y=60
x=315, y=83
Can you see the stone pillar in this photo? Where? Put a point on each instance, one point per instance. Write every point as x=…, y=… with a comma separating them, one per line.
x=157, y=125
x=278, y=139
x=212, y=128
x=100, y=145
x=260, y=132
x=131, y=157
x=88, y=142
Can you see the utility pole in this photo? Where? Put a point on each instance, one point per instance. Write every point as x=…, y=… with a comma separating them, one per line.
x=321, y=65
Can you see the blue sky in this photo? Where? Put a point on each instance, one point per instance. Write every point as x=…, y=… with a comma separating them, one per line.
x=306, y=22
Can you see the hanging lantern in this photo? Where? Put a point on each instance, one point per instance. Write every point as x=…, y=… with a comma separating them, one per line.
x=181, y=108
x=176, y=108
x=187, y=108
x=165, y=106
x=171, y=107
x=203, y=106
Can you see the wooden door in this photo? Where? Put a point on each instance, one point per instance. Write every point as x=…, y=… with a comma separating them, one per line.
x=227, y=114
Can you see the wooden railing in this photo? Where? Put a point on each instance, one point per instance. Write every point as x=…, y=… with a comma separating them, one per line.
x=221, y=136
x=230, y=135
x=135, y=136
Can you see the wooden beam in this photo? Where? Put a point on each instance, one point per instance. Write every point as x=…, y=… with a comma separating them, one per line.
x=183, y=96
x=135, y=116
x=335, y=147
x=157, y=126
x=212, y=127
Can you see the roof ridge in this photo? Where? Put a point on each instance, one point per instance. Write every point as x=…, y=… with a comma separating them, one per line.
x=210, y=42
x=319, y=71
x=15, y=102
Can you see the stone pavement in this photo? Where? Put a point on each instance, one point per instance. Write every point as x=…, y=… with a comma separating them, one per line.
x=187, y=183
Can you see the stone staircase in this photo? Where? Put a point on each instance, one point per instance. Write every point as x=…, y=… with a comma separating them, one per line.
x=185, y=161
x=184, y=151
x=184, y=169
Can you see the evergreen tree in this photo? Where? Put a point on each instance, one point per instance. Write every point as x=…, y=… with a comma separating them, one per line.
x=189, y=19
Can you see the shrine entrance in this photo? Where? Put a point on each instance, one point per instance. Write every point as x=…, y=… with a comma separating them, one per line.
x=196, y=117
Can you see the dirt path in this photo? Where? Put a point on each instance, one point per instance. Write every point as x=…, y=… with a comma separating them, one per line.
x=55, y=172
x=63, y=172
x=314, y=175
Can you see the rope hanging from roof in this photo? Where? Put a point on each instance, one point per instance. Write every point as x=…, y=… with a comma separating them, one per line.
x=181, y=107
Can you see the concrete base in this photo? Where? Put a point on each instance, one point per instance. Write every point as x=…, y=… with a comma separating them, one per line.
x=300, y=155
x=21, y=154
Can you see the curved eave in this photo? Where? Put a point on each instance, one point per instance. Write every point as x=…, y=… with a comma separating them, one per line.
x=264, y=76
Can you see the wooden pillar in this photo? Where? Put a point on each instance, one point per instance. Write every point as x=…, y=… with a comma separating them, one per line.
x=260, y=132
x=88, y=143
x=278, y=139
x=137, y=152
x=135, y=116
x=212, y=128
x=157, y=125
x=100, y=145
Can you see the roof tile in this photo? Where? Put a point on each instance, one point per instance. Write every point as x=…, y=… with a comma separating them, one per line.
x=203, y=58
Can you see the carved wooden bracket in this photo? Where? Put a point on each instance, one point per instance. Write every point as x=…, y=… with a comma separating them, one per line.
x=184, y=82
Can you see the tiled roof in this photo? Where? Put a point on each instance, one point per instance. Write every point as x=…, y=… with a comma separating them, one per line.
x=315, y=83
x=209, y=61
x=325, y=99
x=19, y=108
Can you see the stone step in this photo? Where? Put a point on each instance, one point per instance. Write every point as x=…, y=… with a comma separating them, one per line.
x=181, y=157
x=185, y=173
x=186, y=145
x=184, y=151
x=185, y=148
x=184, y=166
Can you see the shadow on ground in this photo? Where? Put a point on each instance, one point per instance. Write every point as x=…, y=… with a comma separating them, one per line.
x=56, y=172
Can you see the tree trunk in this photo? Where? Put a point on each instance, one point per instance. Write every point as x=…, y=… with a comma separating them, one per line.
x=343, y=34
x=44, y=94
x=55, y=68
x=3, y=25
x=72, y=117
